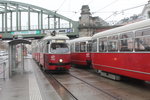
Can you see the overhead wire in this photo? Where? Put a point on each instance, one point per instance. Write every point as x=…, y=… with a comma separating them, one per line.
x=107, y=5
x=75, y=12
x=99, y=10
x=60, y=6
x=90, y=2
x=121, y=11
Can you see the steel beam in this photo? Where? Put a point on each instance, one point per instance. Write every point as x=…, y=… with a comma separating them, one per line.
x=48, y=22
x=55, y=22
x=41, y=19
x=17, y=17
x=59, y=22
x=18, y=8
x=6, y=18
x=38, y=20
x=2, y=22
x=19, y=20
x=29, y=18
x=11, y=21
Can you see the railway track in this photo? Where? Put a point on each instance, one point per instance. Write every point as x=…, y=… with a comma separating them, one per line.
x=69, y=93
x=101, y=90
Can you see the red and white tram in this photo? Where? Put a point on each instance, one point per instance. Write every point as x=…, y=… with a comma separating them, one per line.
x=53, y=53
x=80, y=51
x=123, y=51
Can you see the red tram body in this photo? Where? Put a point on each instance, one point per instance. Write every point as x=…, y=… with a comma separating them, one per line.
x=53, y=53
x=80, y=51
x=123, y=51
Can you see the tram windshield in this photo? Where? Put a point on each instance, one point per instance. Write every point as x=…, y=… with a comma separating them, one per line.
x=59, y=48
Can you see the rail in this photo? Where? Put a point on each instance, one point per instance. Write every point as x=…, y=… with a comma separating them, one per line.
x=54, y=81
x=3, y=63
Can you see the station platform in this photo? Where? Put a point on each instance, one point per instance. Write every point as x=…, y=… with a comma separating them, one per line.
x=28, y=85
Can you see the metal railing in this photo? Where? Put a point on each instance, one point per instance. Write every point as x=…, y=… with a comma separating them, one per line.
x=36, y=27
x=3, y=68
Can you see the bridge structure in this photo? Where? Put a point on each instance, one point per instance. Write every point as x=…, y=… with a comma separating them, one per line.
x=30, y=21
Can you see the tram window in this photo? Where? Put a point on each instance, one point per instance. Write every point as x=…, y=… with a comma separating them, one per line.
x=126, y=44
x=45, y=48
x=72, y=47
x=89, y=47
x=41, y=47
x=126, y=35
x=82, y=46
x=142, y=44
x=138, y=33
x=59, y=48
x=94, y=46
x=112, y=45
x=77, y=47
x=102, y=44
x=142, y=32
x=115, y=37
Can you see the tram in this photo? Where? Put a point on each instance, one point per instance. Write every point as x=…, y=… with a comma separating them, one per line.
x=53, y=53
x=123, y=51
x=80, y=51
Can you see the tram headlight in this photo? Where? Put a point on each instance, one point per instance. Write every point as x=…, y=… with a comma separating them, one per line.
x=60, y=60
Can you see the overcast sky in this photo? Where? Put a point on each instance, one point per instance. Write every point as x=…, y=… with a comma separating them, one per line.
x=101, y=8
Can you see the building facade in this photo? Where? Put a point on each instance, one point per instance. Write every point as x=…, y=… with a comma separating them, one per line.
x=88, y=25
x=146, y=11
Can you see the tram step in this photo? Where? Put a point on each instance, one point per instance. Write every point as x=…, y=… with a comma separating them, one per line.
x=111, y=76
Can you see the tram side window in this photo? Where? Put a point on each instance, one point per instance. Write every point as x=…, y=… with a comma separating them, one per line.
x=113, y=43
x=142, y=32
x=126, y=42
x=82, y=46
x=77, y=47
x=72, y=47
x=94, y=46
x=41, y=47
x=142, y=41
x=102, y=44
x=45, y=46
x=89, y=46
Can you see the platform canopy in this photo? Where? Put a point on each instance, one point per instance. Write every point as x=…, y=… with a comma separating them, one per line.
x=18, y=41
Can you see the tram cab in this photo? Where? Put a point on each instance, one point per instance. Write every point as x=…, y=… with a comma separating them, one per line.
x=55, y=53
x=80, y=51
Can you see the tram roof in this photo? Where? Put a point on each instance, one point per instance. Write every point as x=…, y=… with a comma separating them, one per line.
x=56, y=37
x=81, y=39
x=122, y=29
